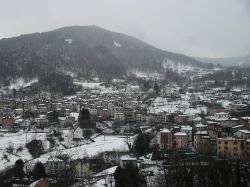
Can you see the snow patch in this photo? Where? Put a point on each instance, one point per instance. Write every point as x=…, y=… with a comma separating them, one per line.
x=95, y=86
x=178, y=67
x=116, y=44
x=147, y=75
x=21, y=83
x=68, y=40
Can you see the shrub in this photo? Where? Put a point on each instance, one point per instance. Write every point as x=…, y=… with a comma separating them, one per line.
x=35, y=148
x=10, y=148
x=19, y=149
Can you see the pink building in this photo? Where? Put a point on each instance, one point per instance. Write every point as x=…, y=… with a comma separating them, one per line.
x=180, y=140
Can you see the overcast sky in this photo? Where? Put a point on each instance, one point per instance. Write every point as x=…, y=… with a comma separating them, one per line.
x=206, y=28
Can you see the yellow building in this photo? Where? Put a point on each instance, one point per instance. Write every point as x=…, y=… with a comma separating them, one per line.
x=198, y=139
x=246, y=154
x=230, y=148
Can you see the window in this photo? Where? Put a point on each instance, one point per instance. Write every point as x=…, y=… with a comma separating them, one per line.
x=226, y=148
x=235, y=143
x=226, y=142
x=219, y=142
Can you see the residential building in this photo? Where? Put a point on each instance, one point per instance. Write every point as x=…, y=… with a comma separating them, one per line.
x=180, y=140
x=165, y=139
x=230, y=148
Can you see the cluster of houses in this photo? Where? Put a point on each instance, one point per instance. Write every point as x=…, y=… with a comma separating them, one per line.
x=223, y=131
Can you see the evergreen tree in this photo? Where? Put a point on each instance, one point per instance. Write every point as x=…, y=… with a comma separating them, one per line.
x=142, y=143
x=156, y=89
x=38, y=171
x=129, y=176
x=18, y=169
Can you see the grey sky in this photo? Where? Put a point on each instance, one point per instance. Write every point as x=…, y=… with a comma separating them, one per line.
x=208, y=28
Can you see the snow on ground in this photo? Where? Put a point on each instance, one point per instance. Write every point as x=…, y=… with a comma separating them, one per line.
x=107, y=182
x=70, y=73
x=116, y=44
x=108, y=171
x=74, y=114
x=198, y=110
x=68, y=40
x=94, y=86
x=224, y=103
x=100, y=145
x=20, y=83
x=117, y=80
x=17, y=141
x=109, y=178
x=143, y=74
x=178, y=67
x=161, y=104
x=130, y=88
x=91, y=85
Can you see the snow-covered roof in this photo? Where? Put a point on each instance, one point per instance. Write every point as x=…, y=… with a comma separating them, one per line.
x=127, y=157
x=229, y=138
x=234, y=119
x=222, y=113
x=165, y=131
x=244, y=131
x=245, y=118
x=186, y=128
x=34, y=184
x=201, y=132
x=197, y=119
x=200, y=125
x=108, y=171
x=238, y=126
x=180, y=134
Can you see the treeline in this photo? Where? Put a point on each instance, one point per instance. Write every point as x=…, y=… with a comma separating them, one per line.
x=233, y=76
x=209, y=173
x=16, y=174
x=55, y=83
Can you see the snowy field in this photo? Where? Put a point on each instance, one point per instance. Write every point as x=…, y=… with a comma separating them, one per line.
x=18, y=140
x=100, y=145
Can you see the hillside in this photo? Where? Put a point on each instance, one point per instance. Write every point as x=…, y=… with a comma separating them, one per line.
x=84, y=51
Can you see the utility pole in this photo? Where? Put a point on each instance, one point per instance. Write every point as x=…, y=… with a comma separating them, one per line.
x=26, y=136
x=104, y=134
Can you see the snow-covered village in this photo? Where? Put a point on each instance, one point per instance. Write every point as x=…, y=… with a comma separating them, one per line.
x=87, y=136
x=127, y=93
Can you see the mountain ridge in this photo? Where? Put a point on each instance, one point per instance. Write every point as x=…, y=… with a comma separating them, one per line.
x=85, y=50
x=241, y=61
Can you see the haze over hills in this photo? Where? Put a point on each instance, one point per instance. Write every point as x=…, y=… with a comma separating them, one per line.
x=84, y=50
x=243, y=61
